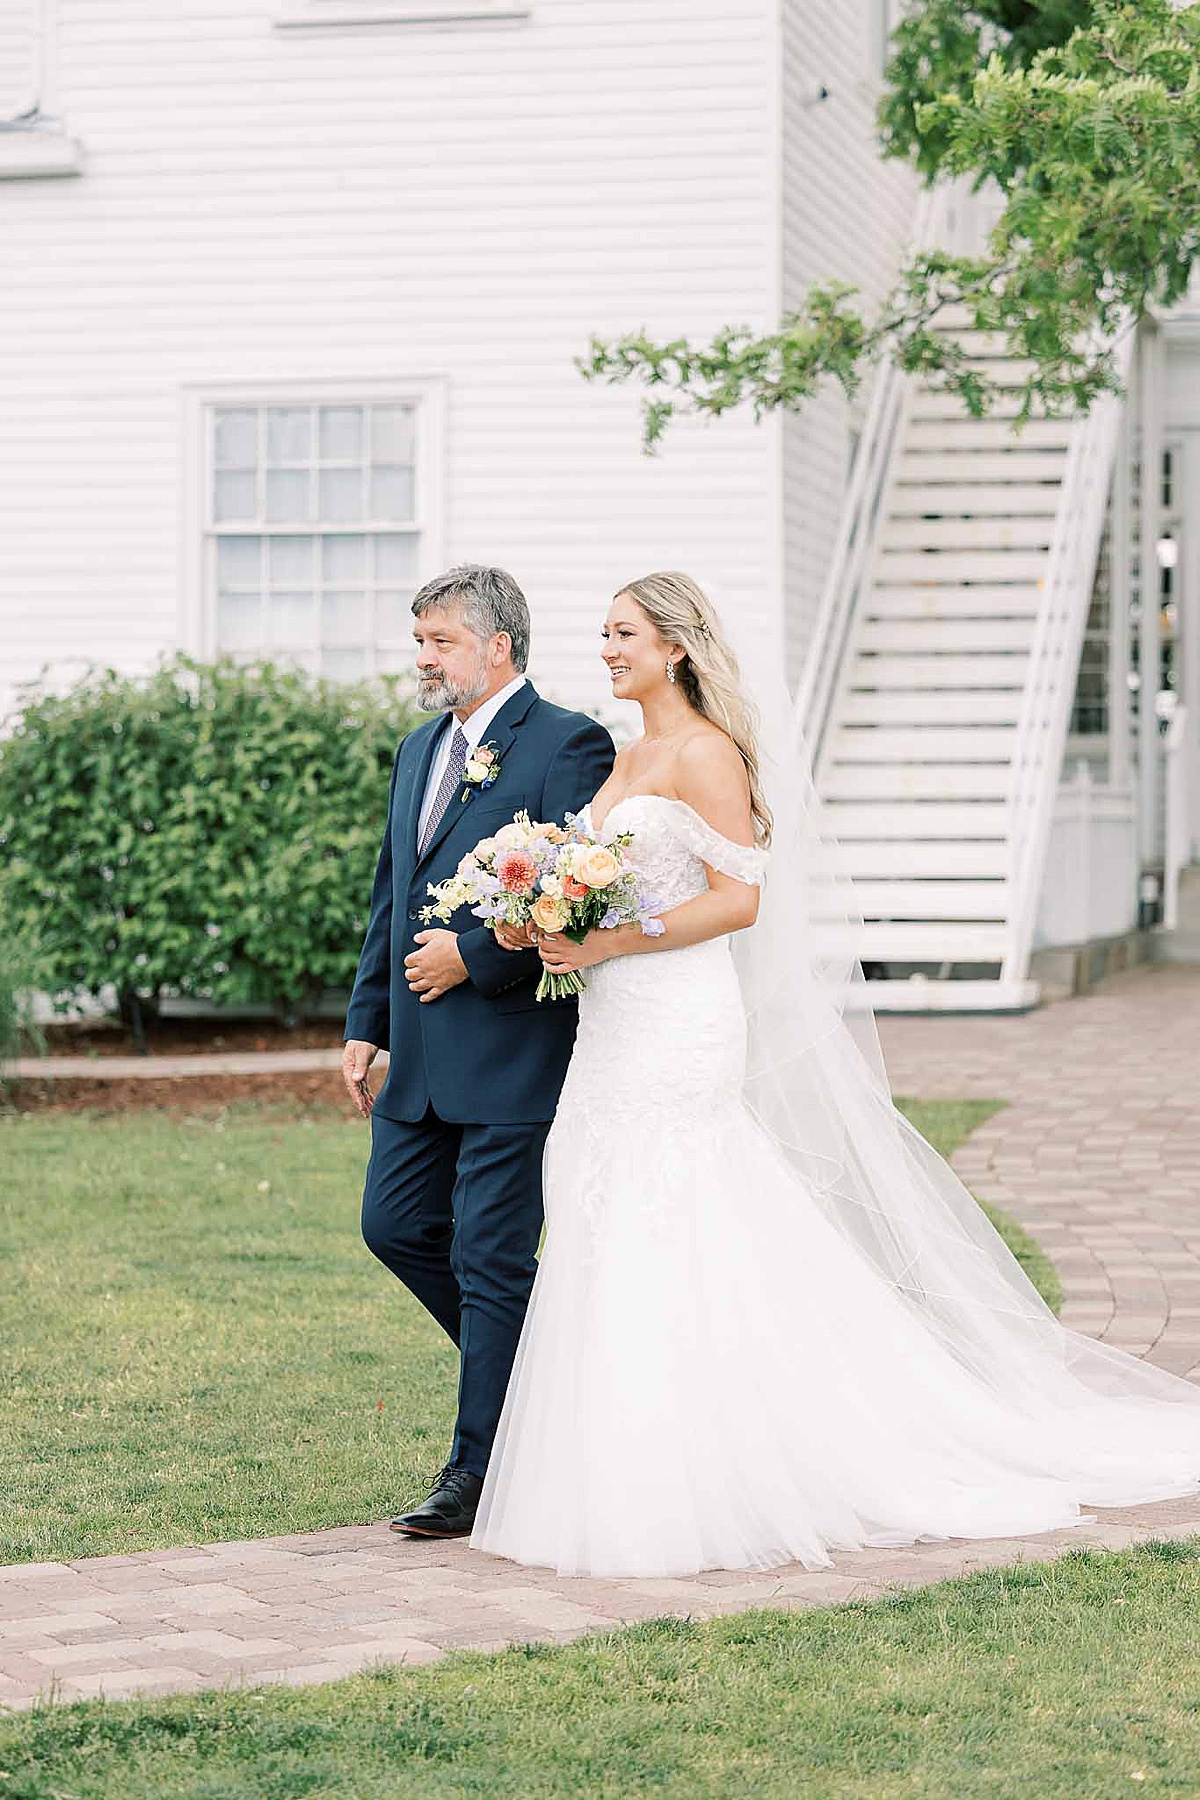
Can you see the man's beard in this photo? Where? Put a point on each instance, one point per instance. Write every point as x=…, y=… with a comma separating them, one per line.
x=437, y=694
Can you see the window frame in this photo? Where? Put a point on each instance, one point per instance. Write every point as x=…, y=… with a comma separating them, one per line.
x=374, y=15
x=36, y=144
x=200, y=531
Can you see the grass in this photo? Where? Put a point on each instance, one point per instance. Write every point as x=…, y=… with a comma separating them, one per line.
x=197, y=1346
x=1076, y=1680
x=946, y=1123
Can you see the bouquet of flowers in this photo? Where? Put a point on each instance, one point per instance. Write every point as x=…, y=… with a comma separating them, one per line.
x=553, y=880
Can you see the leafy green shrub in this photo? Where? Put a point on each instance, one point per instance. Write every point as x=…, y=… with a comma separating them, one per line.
x=20, y=979
x=208, y=831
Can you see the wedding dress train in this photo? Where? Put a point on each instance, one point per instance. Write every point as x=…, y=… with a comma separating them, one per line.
x=713, y=1374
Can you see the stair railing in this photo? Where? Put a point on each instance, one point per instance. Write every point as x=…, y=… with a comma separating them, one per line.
x=849, y=574
x=1178, y=835
x=1055, y=649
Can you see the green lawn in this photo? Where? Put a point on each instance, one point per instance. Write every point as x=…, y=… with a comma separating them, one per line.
x=946, y=1123
x=1071, y=1681
x=197, y=1345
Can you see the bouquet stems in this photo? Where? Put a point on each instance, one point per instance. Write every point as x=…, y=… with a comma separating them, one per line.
x=560, y=987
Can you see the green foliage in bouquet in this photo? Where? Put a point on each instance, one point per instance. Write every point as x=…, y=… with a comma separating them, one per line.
x=1086, y=116
x=208, y=831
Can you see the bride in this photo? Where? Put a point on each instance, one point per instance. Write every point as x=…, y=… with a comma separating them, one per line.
x=769, y=1323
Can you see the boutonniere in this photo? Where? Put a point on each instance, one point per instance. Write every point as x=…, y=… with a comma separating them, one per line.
x=483, y=766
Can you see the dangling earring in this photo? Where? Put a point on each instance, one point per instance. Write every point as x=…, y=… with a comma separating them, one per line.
x=671, y=677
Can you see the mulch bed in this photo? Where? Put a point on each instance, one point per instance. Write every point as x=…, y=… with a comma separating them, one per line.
x=303, y=1092
x=207, y=1095
x=187, y=1037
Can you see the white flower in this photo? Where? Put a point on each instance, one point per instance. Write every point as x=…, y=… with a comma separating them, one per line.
x=476, y=770
x=551, y=884
x=511, y=837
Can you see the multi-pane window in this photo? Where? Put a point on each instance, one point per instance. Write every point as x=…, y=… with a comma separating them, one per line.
x=21, y=25
x=315, y=534
x=1090, y=714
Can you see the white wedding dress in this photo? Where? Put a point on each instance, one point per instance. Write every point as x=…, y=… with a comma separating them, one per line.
x=712, y=1374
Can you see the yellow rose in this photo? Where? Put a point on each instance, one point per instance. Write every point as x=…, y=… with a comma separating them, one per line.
x=596, y=866
x=549, y=914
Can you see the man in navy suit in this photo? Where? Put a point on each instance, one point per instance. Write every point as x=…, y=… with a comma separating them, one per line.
x=453, y=1197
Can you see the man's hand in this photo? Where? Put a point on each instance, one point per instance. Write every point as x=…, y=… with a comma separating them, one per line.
x=436, y=967
x=357, y=1058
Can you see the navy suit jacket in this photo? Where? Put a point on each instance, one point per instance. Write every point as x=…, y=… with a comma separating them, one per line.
x=487, y=1052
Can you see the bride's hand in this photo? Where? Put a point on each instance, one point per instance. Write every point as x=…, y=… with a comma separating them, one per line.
x=561, y=954
x=516, y=937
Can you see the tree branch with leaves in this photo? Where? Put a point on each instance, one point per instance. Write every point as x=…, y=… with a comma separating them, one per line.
x=1087, y=119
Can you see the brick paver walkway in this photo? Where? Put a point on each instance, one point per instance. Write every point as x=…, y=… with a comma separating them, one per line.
x=1098, y=1153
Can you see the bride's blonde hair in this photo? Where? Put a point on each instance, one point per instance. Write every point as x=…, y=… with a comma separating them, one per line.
x=709, y=675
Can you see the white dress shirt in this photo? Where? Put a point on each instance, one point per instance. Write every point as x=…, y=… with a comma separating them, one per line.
x=474, y=730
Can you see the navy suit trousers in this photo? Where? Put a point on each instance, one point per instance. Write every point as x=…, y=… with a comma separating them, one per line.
x=455, y=1212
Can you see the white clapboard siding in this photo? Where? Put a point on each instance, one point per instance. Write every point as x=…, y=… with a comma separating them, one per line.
x=465, y=206
x=845, y=215
x=917, y=764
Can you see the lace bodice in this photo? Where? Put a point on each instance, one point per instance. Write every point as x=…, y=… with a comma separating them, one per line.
x=672, y=843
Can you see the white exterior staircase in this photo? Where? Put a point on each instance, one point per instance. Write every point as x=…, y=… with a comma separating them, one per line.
x=938, y=691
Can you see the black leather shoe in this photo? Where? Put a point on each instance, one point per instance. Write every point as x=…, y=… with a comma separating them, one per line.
x=450, y=1509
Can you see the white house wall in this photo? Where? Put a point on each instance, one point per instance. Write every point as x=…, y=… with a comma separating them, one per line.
x=461, y=206
x=845, y=217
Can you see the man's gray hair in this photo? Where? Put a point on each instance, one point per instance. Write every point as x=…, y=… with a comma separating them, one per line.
x=489, y=600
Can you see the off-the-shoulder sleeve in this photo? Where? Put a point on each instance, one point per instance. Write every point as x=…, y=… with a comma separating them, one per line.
x=743, y=862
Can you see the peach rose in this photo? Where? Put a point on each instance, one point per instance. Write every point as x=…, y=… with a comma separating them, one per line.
x=551, y=832
x=548, y=914
x=597, y=866
x=512, y=836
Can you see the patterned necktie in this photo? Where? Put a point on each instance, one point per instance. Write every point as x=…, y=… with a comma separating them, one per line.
x=451, y=777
